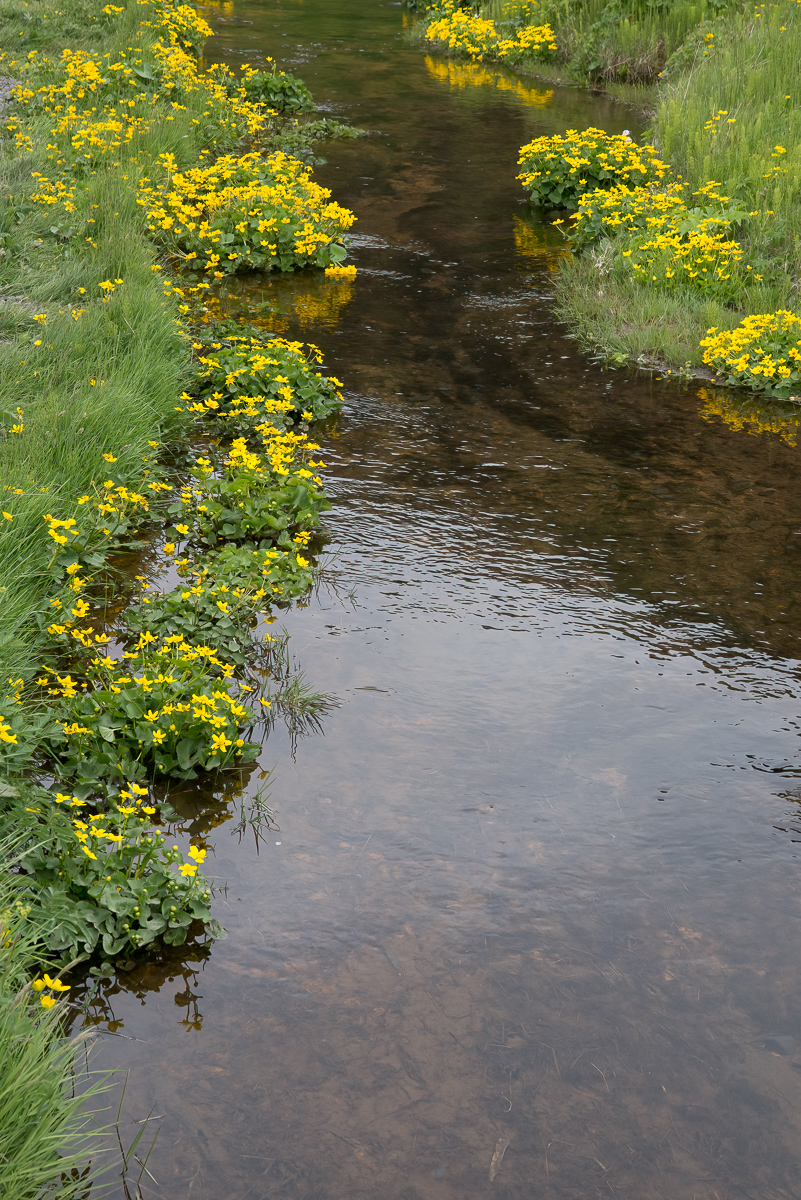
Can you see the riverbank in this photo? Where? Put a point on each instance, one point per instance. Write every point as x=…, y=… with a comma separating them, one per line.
x=141, y=430
x=726, y=123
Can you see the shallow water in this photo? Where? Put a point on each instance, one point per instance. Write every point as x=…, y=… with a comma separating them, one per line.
x=533, y=910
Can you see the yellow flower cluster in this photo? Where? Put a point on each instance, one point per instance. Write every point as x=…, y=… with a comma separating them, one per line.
x=463, y=32
x=763, y=353
x=245, y=213
x=704, y=258
x=159, y=706
x=661, y=236
x=559, y=170
x=624, y=209
x=181, y=25
x=100, y=102
x=52, y=984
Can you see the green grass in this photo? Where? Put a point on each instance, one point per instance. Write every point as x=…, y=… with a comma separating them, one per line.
x=133, y=352
x=133, y=345
x=750, y=74
x=649, y=328
x=718, y=82
x=747, y=72
x=46, y=1132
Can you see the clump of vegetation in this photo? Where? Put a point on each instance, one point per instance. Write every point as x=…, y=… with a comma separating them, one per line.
x=279, y=89
x=465, y=32
x=559, y=170
x=762, y=354
x=46, y=1132
x=104, y=879
x=244, y=212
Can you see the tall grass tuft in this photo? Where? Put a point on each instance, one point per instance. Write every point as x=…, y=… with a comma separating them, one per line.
x=47, y=1134
x=733, y=114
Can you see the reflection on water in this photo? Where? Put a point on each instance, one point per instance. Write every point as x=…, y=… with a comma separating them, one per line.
x=750, y=413
x=534, y=242
x=463, y=75
x=318, y=304
x=526, y=921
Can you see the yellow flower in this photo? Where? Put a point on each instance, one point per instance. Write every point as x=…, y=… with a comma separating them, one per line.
x=55, y=984
x=47, y=1001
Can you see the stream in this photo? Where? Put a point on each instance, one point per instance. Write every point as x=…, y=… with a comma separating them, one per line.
x=530, y=923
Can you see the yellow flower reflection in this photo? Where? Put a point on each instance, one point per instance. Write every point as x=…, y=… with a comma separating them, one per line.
x=466, y=75
x=535, y=244
x=751, y=415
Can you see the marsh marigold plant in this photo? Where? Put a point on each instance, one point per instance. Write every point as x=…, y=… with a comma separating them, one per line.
x=558, y=170
x=245, y=212
x=463, y=32
x=763, y=353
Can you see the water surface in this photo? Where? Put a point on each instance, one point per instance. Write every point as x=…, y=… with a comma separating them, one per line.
x=533, y=909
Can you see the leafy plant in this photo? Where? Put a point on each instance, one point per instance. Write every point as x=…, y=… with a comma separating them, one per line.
x=281, y=91
x=558, y=170
x=104, y=878
x=245, y=213
x=165, y=710
x=266, y=499
x=763, y=354
x=219, y=601
x=245, y=380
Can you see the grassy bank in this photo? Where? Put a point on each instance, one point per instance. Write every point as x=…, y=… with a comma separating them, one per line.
x=136, y=418
x=47, y=1129
x=620, y=45
x=702, y=270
